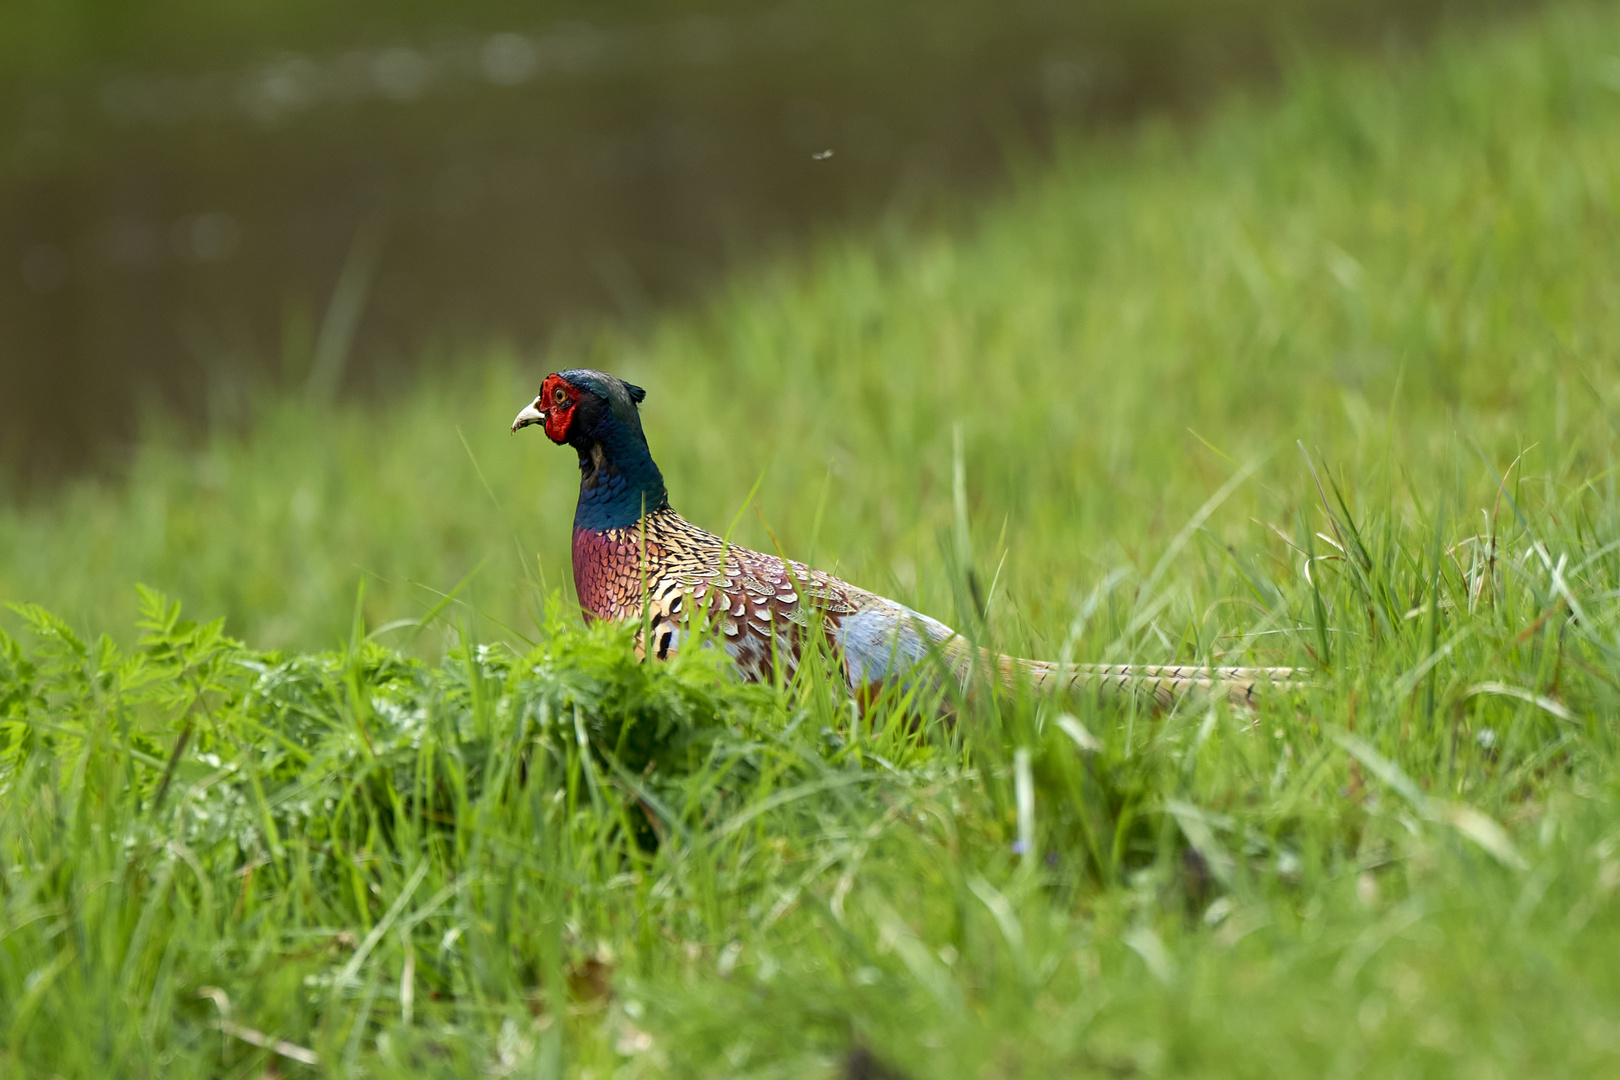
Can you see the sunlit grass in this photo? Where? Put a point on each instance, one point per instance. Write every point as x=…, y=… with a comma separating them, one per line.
x=438, y=847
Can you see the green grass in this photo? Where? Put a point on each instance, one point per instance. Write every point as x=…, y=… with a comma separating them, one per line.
x=471, y=837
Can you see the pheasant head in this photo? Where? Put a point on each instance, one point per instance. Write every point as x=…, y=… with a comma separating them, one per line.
x=595, y=413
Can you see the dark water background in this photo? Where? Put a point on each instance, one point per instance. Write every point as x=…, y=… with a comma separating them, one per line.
x=196, y=204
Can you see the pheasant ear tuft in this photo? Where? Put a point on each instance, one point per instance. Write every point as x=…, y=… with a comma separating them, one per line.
x=637, y=394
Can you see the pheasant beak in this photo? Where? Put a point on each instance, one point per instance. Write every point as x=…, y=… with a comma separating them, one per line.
x=533, y=414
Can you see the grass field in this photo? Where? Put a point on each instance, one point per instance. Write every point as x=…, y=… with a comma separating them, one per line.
x=409, y=833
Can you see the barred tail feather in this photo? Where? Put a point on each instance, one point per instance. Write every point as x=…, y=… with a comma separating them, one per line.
x=1166, y=683
x=885, y=639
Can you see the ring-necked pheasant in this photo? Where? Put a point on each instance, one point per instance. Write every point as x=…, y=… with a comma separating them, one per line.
x=632, y=550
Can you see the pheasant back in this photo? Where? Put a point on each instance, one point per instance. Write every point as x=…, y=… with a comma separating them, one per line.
x=671, y=578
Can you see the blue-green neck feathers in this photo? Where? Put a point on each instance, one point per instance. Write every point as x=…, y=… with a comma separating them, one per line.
x=619, y=481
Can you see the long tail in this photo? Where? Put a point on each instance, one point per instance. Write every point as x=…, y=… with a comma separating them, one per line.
x=901, y=637
x=1165, y=683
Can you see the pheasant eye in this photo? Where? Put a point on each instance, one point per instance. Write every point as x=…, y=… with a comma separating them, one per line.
x=561, y=395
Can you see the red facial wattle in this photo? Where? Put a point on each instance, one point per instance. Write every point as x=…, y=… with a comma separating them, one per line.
x=556, y=402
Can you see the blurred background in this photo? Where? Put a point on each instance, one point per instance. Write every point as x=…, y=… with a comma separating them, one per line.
x=199, y=200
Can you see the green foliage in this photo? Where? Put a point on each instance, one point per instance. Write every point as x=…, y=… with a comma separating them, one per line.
x=310, y=792
x=476, y=837
x=570, y=858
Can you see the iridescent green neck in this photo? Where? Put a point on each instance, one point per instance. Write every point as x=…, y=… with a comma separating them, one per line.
x=619, y=481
